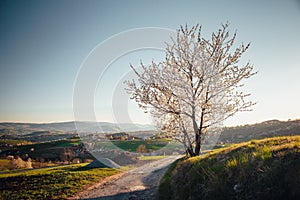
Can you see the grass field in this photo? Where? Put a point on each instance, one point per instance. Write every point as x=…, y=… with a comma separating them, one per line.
x=151, y=157
x=46, y=145
x=49, y=183
x=44, y=150
x=259, y=169
x=15, y=142
x=133, y=145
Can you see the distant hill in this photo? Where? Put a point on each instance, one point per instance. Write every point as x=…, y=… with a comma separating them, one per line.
x=261, y=130
x=61, y=130
x=90, y=127
x=35, y=132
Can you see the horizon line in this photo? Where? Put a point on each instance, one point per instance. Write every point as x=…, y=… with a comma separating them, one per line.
x=73, y=121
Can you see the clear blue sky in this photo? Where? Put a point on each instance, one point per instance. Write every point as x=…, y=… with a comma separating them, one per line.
x=43, y=43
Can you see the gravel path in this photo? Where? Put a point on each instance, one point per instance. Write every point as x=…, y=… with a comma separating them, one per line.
x=139, y=183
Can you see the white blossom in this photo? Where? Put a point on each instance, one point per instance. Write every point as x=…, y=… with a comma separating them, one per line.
x=196, y=87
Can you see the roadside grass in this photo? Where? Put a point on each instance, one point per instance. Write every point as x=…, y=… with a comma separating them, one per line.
x=50, y=183
x=259, y=169
x=165, y=186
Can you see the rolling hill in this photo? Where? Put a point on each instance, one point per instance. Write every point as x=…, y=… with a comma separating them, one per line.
x=259, y=169
x=271, y=128
x=91, y=127
x=55, y=131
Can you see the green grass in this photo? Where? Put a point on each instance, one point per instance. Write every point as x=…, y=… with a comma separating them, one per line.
x=53, y=149
x=259, y=169
x=50, y=183
x=151, y=157
x=165, y=185
x=46, y=145
x=15, y=142
x=131, y=146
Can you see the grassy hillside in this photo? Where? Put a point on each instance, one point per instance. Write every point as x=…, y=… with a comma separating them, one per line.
x=260, y=169
x=46, y=150
x=49, y=183
x=271, y=128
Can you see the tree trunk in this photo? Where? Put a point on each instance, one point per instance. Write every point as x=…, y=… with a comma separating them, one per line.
x=191, y=152
x=199, y=133
x=198, y=145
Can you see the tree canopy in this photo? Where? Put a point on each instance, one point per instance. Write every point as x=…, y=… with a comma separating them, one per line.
x=196, y=87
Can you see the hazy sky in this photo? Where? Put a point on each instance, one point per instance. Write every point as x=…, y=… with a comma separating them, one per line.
x=43, y=43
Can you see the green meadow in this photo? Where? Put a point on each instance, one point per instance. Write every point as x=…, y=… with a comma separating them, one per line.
x=50, y=183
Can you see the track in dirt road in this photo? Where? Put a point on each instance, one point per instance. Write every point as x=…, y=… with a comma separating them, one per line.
x=139, y=183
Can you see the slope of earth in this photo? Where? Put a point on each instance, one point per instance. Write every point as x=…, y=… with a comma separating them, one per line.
x=259, y=169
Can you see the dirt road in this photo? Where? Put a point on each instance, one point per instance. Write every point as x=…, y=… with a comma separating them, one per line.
x=139, y=183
